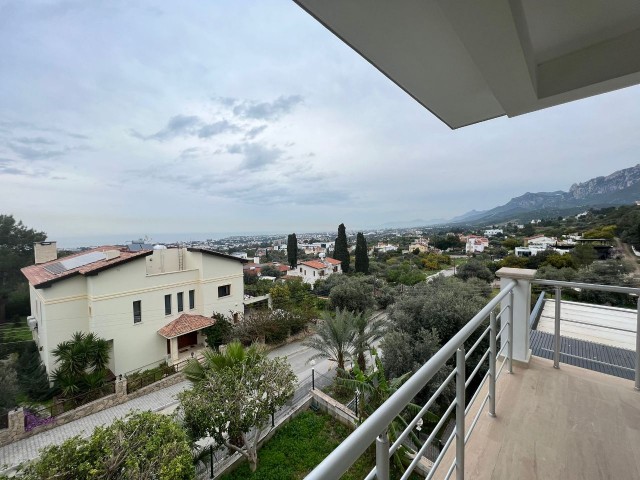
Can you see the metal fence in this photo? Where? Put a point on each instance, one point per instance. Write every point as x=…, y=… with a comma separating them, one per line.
x=139, y=379
x=557, y=340
x=45, y=414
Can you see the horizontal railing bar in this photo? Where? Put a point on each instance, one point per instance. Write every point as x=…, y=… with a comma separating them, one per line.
x=502, y=311
x=405, y=433
x=428, y=441
x=506, y=324
x=588, y=286
x=475, y=419
x=475, y=395
x=450, y=471
x=440, y=456
x=475, y=370
x=475, y=345
x=339, y=461
x=505, y=344
x=504, y=362
x=591, y=360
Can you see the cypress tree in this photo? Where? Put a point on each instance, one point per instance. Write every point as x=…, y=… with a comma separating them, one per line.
x=32, y=376
x=292, y=250
x=362, y=255
x=341, y=250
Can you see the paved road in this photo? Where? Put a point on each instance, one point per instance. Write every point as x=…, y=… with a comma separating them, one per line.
x=163, y=400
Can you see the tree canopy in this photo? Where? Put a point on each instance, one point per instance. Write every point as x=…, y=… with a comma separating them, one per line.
x=143, y=446
x=16, y=252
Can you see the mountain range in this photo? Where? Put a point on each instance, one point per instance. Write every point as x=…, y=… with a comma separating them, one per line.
x=619, y=188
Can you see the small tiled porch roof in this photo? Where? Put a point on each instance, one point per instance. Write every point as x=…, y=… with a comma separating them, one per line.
x=184, y=324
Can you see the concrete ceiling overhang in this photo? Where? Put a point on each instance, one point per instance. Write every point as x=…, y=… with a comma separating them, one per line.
x=468, y=61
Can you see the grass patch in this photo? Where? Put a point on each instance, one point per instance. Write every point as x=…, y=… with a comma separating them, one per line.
x=299, y=447
x=15, y=332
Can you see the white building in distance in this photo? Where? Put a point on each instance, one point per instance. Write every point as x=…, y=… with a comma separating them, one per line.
x=314, y=270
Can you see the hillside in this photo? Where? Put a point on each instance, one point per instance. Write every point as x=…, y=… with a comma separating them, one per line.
x=619, y=188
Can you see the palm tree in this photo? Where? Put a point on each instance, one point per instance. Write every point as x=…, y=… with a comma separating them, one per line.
x=369, y=330
x=335, y=338
x=82, y=363
x=234, y=354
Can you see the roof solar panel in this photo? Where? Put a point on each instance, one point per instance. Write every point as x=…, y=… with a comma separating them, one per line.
x=82, y=260
x=55, y=268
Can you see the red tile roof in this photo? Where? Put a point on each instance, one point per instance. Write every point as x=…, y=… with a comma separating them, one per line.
x=313, y=264
x=38, y=276
x=185, y=323
x=333, y=261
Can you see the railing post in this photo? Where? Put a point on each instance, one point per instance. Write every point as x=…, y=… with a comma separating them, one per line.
x=510, y=347
x=520, y=304
x=638, y=347
x=493, y=349
x=313, y=379
x=556, y=330
x=460, y=405
x=382, y=456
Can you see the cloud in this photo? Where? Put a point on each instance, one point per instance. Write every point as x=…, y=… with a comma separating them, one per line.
x=8, y=126
x=188, y=126
x=256, y=156
x=35, y=141
x=30, y=153
x=254, y=132
x=216, y=128
x=267, y=110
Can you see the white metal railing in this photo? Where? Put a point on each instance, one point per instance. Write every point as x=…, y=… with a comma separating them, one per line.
x=375, y=427
x=559, y=285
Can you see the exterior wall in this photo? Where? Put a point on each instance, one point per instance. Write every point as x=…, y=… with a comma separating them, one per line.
x=217, y=272
x=63, y=311
x=103, y=304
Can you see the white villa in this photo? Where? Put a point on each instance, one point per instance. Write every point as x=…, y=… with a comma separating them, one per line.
x=476, y=244
x=313, y=270
x=149, y=304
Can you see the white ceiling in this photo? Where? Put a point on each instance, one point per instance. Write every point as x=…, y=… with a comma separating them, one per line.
x=469, y=61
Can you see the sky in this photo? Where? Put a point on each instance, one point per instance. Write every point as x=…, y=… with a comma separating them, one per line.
x=141, y=118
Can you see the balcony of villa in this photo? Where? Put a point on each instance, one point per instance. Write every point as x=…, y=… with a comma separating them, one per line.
x=560, y=398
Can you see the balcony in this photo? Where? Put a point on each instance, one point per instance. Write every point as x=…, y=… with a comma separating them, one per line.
x=530, y=417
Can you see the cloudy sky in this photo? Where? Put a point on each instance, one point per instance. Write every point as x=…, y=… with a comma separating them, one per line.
x=123, y=118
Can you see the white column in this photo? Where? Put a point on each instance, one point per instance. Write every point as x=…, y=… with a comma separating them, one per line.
x=174, y=349
x=521, y=311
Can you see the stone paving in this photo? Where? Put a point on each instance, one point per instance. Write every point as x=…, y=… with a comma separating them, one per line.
x=27, y=449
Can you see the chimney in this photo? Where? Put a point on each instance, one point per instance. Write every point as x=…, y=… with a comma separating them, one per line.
x=256, y=259
x=45, y=252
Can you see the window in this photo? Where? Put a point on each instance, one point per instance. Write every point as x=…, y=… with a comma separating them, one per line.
x=224, y=291
x=180, y=301
x=167, y=304
x=192, y=299
x=137, y=311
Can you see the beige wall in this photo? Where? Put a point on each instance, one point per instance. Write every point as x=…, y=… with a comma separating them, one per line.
x=103, y=304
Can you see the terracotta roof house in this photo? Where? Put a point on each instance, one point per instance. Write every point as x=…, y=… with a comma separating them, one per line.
x=313, y=270
x=149, y=304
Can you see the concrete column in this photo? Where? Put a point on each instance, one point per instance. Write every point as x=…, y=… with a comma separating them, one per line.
x=15, y=420
x=121, y=387
x=521, y=311
x=174, y=349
